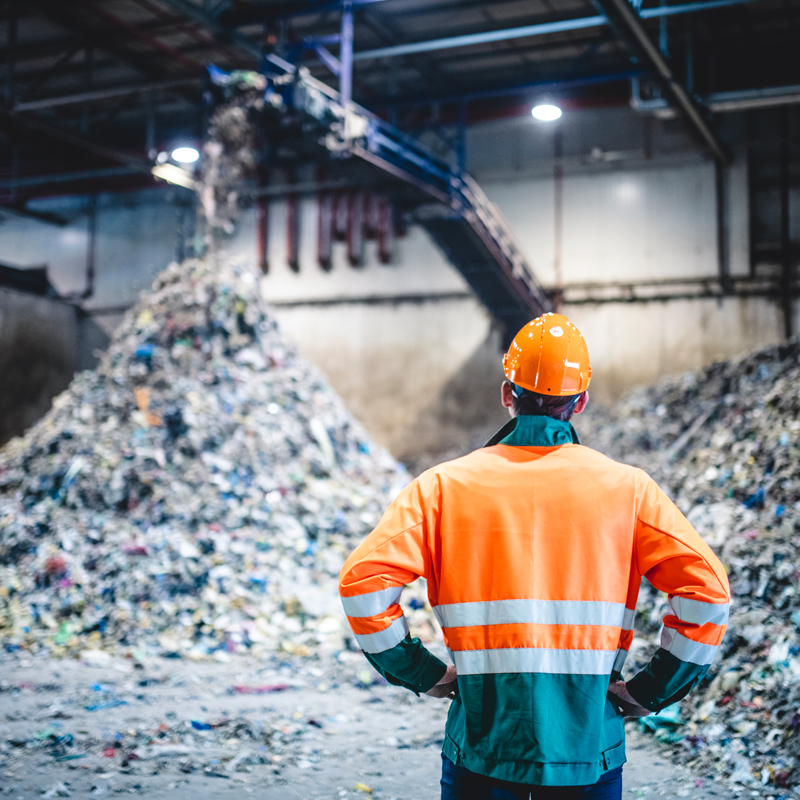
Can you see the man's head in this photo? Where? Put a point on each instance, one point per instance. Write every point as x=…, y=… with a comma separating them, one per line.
x=547, y=370
x=521, y=402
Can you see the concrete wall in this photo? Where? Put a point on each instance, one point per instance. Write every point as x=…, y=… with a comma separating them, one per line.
x=636, y=344
x=412, y=352
x=42, y=341
x=135, y=240
x=424, y=378
x=628, y=218
x=38, y=355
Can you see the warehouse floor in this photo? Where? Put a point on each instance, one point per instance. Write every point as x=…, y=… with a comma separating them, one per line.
x=309, y=729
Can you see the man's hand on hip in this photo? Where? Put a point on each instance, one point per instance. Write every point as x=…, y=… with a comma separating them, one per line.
x=447, y=686
x=627, y=704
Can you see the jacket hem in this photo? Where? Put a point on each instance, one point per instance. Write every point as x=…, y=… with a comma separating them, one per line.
x=537, y=773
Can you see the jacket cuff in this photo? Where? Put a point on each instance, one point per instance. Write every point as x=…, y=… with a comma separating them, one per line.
x=664, y=681
x=432, y=673
x=409, y=664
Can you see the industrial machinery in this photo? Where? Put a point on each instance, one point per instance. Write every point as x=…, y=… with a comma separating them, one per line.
x=304, y=121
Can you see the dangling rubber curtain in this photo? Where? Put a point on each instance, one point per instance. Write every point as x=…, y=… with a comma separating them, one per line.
x=292, y=225
x=325, y=224
x=355, y=229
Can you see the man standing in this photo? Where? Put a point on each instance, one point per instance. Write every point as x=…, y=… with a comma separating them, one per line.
x=534, y=548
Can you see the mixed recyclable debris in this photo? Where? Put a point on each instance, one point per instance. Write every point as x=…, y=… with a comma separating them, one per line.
x=193, y=496
x=229, y=157
x=725, y=444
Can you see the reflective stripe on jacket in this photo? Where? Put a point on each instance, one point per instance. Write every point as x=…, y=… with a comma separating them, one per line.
x=533, y=550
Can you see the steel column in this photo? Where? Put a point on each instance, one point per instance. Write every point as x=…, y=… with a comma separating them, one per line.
x=787, y=264
x=91, y=246
x=723, y=252
x=689, y=57
x=150, y=128
x=558, y=212
x=461, y=151
x=751, y=190
x=87, y=80
x=15, y=159
x=346, y=55
x=11, y=32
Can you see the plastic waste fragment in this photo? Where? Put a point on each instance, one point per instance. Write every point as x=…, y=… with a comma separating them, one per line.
x=115, y=703
x=277, y=687
x=58, y=790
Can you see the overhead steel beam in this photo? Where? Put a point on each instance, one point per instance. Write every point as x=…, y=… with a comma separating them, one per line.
x=10, y=119
x=485, y=37
x=21, y=210
x=271, y=12
x=167, y=172
x=204, y=38
x=53, y=47
x=151, y=42
x=723, y=102
x=105, y=94
x=539, y=29
x=195, y=12
x=503, y=91
x=66, y=177
x=622, y=16
x=55, y=69
x=90, y=35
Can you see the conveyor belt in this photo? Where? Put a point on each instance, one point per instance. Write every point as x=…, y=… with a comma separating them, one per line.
x=305, y=116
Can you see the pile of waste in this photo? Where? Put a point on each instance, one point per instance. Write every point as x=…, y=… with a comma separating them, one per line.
x=725, y=445
x=195, y=495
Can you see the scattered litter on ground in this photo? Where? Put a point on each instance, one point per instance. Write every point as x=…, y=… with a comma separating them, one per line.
x=725, y=445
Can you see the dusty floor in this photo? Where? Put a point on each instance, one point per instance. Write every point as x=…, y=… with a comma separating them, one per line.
x=317, y=729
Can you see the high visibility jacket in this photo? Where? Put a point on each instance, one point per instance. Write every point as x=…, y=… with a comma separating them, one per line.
x=534, y=549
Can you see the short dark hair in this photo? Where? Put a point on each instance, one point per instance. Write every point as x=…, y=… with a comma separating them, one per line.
x=532, y=404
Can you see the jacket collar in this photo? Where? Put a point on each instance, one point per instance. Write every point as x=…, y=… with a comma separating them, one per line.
x=534, y=431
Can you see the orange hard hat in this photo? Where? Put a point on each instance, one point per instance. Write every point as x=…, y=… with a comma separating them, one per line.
x=549, y=356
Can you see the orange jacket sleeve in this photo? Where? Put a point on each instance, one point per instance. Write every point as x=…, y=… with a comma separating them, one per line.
x=676, y=560
x=394, y=554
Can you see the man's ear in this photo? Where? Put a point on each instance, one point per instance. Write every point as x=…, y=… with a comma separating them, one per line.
x=583, y=401
x=506, y=396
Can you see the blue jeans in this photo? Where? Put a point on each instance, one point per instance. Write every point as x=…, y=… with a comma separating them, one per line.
x=459, y=783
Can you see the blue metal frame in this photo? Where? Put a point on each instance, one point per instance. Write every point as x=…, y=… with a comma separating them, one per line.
x=461, y=218
x=538, y=29
x=504, y=91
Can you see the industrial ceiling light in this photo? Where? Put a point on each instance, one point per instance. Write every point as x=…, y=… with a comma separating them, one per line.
x=188, y=155
x=546, y=112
